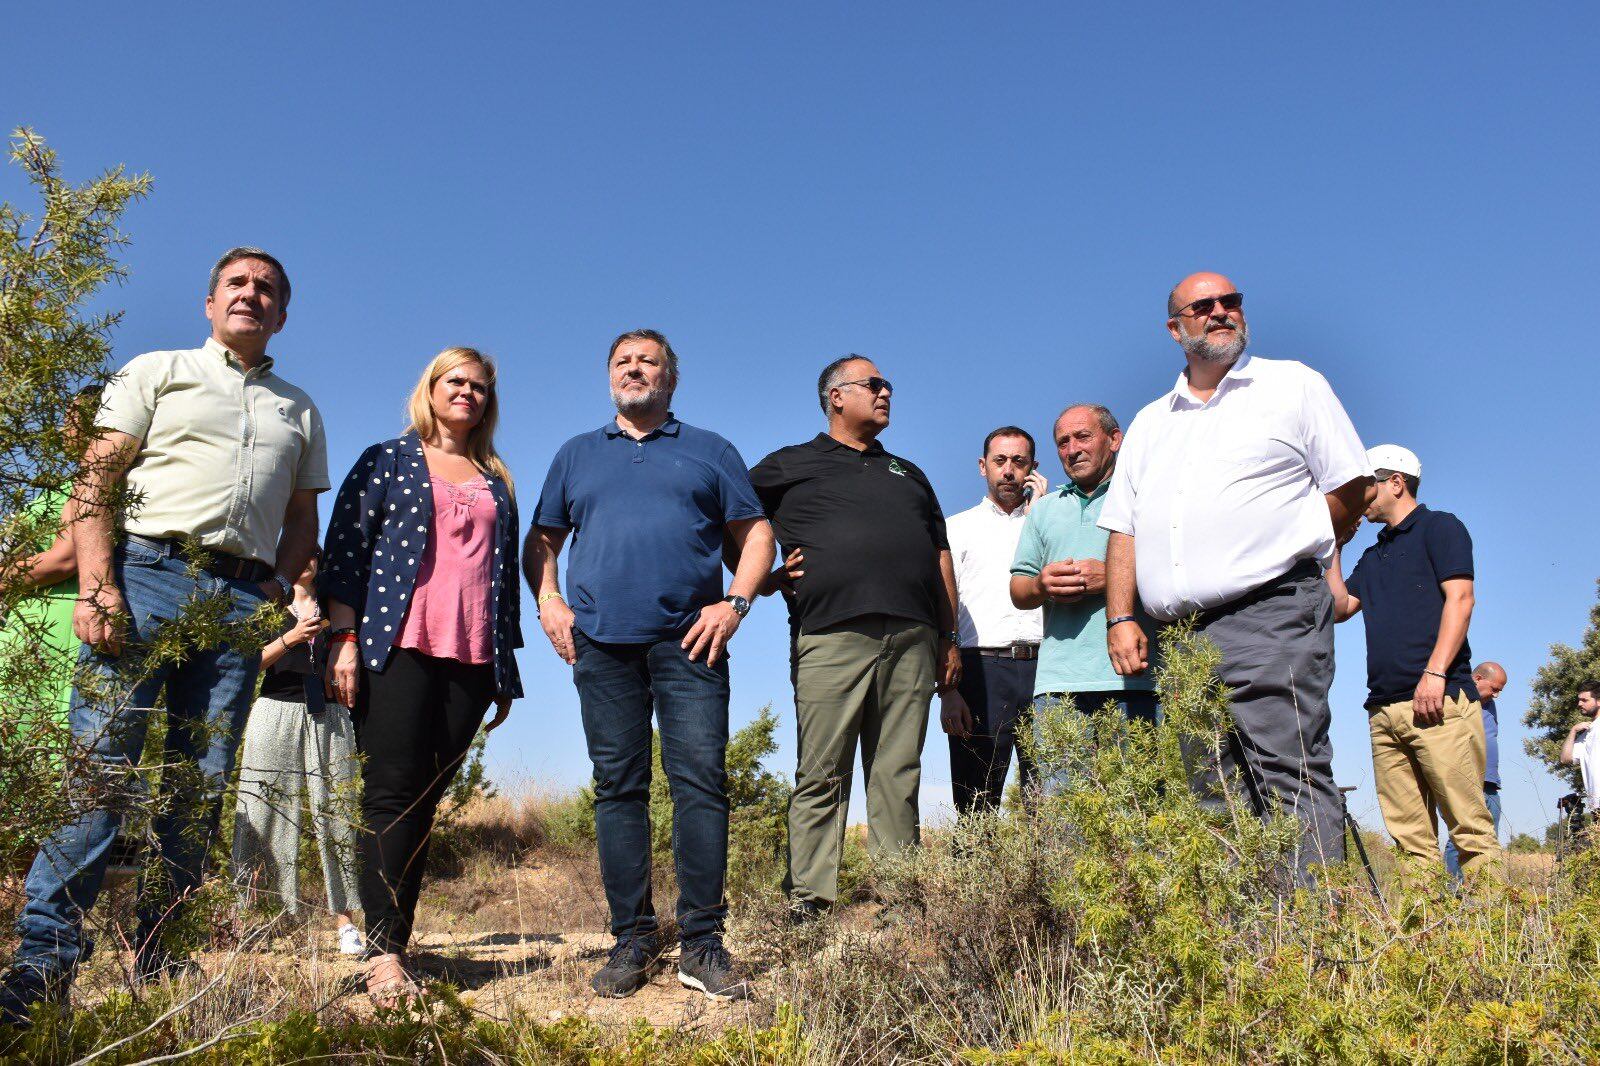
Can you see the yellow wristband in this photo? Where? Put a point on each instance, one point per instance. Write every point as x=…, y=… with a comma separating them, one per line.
x=547, y=596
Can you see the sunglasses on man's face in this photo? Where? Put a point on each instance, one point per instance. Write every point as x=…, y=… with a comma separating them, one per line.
x=872, y=385
x=1202, y=307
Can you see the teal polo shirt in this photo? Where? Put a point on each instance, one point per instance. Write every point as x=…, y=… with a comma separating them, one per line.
x=1073, y=657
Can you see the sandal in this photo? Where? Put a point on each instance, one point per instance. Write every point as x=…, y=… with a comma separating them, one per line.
x=388, y=984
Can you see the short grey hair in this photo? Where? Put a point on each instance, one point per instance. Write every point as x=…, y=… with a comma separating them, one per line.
x=1108, y=421
x=832, y=375
x=245, y=251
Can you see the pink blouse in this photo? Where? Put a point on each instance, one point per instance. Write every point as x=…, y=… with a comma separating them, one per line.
x=451, y=609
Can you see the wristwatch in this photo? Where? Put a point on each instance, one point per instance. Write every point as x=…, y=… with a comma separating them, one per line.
x=951, y=635
x=285, y=586
x=740, y=605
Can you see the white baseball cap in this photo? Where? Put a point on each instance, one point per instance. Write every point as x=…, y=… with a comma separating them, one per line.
x=1393, y=457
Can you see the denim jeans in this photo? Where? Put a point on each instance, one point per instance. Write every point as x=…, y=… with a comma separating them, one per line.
x=1133, y=704
x=208, y=697
x=1452, y=860
x=618, y=686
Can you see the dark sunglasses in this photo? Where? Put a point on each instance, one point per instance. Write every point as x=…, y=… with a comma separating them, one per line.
x=1200, y=308
x=872, y=385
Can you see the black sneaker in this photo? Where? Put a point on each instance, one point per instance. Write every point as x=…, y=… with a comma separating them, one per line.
x=627, y=970
x=803, y=912
x=707, y=967
x=22, y=987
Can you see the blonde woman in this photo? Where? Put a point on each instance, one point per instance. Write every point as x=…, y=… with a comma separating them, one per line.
x=420, y=568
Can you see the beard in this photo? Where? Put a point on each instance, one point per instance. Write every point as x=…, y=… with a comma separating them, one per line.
x=642, y=403
x=1225, y=354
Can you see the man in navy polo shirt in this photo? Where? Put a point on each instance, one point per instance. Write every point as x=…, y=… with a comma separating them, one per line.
x=647, y=501
x=1428, y=744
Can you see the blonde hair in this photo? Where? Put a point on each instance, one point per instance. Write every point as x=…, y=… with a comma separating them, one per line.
x=480, y=444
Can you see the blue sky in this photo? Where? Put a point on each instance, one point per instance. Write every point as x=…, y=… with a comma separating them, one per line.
x=990, y=200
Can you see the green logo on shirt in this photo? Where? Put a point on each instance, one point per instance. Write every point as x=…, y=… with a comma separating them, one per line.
x=896, y=468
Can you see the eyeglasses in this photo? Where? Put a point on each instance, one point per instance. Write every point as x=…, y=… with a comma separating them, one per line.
x=1202, y=307
x=872, y=385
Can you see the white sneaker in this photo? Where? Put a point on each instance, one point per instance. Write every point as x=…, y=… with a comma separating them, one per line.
x=350, y=941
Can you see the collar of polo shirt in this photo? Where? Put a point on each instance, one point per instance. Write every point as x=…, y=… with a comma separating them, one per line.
x=1390, y=532
x=669, y=428
x=216, y=347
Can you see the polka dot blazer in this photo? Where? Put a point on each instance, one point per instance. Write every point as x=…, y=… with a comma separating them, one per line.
x=376, y=535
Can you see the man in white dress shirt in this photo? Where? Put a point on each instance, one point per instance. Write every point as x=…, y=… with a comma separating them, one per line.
x=1582, y=747
x=1228, y=498
x=999, y=642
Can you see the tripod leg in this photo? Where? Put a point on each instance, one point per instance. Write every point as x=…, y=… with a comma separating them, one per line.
x=1361, y=849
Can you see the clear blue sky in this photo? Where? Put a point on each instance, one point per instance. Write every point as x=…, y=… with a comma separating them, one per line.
x=990, y=200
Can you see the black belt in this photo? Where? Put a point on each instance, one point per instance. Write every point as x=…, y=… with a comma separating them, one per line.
x=217, y=564
x=1299, y=571
x=1021, y=651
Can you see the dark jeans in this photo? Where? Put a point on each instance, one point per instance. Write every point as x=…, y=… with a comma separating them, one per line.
x=208, y=696
x=997, y=692
x=618, y=687
x=414, y=723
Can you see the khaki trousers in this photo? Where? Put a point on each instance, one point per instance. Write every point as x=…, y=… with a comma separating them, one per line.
x=1423, y=771
x=871, y=679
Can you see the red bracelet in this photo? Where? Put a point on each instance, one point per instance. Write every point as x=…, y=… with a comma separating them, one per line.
x=342, y=638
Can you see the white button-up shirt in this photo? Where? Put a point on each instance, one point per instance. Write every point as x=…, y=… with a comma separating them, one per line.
x=983, y=541
x=1223, y=496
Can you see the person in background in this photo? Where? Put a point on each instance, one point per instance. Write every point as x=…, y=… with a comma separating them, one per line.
x=421, y=583
x=43, y=618
x=1060, y=566
x=649, y=503
x=872, y=594
x=1490, y=678
x=224, y=515
x=297, y=741
x=999, y=641
x=1582, y=746
x=1227, y=499
x=1415, y=589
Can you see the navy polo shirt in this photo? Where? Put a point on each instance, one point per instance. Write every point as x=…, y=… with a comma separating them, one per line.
x=647, y=518
x=1397, y=582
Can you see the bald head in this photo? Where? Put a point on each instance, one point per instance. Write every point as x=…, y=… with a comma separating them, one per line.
x=1194, y=287
x=1491, y=679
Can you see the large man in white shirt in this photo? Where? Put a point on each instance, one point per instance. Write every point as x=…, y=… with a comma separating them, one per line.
x=999, y=643
x=1227, y=501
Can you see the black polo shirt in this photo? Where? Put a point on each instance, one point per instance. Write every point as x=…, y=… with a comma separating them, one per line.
x=1398, y=583
x=869, y=524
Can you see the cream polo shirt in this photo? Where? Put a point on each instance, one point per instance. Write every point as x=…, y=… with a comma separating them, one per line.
x=221, y=448
x=1223, y=496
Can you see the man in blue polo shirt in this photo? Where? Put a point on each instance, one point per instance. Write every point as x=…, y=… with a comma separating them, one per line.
x=647, y=501
x=1428, y=745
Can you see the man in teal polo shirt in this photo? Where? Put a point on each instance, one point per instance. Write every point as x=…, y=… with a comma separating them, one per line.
x=1060, y=566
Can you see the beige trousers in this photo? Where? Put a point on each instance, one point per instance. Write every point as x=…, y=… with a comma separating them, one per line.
x=1423, y=771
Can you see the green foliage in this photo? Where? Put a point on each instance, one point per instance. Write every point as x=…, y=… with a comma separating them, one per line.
x=1553, y=706
x=1525, y=844
x=1119, y=920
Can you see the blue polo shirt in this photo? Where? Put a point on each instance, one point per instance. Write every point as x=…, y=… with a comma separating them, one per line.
x=646, y=519
x=1398, y=583
x=1491, y=735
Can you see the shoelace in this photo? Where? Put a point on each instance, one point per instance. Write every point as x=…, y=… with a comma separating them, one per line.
x=713, y=955
x=634, y=951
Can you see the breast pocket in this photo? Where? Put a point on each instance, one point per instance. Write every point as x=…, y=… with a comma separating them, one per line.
x=280, y=439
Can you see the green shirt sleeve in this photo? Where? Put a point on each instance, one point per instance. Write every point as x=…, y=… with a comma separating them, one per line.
x=1030, y=558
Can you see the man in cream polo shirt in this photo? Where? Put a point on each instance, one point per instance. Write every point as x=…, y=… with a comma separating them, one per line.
x=218, y=451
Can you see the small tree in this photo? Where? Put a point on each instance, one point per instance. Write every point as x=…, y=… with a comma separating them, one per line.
x=1553, y=709
x=52, y=265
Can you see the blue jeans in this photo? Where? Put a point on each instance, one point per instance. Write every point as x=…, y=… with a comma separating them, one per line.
x=618, y=686
x=1132, y=703
x=208, y=697
x=1452, y=860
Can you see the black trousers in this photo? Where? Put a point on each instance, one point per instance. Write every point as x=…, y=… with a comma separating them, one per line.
x=997, y=692
x=414, y=723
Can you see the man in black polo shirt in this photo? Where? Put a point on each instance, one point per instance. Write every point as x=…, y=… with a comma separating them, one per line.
x=1428, y=744
x=871, y=591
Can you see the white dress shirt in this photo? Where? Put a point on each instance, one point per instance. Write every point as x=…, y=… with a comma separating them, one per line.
x=1223, y=496
x=983, y=541
x=1586, y=753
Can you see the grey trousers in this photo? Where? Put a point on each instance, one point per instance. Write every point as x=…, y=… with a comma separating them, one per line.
x=1277, y=660
x=288, y=750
